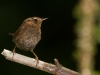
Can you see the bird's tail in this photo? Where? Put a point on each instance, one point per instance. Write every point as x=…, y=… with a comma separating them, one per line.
x=12, y=34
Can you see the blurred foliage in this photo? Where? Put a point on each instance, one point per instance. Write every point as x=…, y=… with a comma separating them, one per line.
x=78, y=15
x=98, y=27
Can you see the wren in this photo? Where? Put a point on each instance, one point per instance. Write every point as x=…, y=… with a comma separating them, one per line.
x=28, y=35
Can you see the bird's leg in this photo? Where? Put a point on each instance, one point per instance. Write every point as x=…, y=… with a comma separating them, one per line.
x=13, y=51
x=36, y=57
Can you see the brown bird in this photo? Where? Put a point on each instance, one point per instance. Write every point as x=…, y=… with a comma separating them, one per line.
x=28, y=35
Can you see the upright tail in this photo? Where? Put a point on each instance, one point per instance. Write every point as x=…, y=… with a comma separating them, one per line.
x=12, y=34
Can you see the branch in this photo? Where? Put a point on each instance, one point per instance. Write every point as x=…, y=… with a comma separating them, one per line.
x=56, y=69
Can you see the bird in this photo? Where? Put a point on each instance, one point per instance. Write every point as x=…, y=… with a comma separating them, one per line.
x=27, y=36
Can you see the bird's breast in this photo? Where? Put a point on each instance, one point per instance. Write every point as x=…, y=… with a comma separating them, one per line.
x=27, y=39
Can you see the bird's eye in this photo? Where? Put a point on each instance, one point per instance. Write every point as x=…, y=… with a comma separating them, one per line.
x=35, y=19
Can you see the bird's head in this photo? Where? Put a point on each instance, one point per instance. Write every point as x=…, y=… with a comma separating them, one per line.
x=35, y=20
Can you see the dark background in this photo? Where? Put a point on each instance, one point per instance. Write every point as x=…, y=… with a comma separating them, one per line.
x=58, y=33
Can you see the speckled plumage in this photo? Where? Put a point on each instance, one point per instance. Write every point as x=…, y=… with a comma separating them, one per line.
x=28, y=34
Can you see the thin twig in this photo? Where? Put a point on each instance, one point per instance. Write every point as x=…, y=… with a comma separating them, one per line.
x=56, y=69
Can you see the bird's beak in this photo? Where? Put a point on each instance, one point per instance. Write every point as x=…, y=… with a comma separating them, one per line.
x=44, y=19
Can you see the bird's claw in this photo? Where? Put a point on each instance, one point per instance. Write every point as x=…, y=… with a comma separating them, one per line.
x=36, y=60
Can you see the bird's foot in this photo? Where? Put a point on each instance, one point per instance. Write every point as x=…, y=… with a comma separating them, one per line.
x=36, y=60
x=13, y=52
